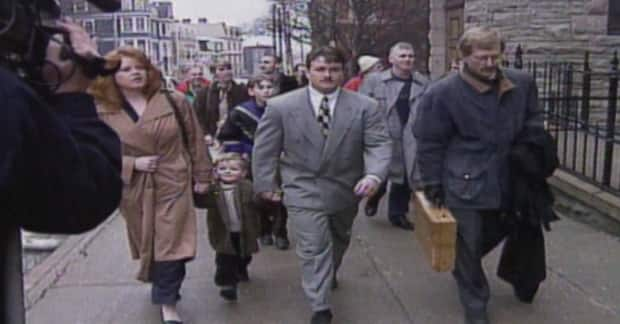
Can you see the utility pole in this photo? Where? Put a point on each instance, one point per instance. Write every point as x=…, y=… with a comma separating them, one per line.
x=274, y=29
x=280, y=38
x=288, y=31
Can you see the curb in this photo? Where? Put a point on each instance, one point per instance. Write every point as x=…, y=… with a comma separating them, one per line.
x=42, y=276
x=589, y=195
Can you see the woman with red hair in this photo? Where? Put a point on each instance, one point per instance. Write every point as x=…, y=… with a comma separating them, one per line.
x=158, y=171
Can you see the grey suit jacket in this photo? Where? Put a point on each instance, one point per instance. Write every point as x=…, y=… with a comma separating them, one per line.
x=317, y=172
x=384, y=88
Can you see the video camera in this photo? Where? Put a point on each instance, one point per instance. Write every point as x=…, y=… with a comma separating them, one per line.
x=26, y=28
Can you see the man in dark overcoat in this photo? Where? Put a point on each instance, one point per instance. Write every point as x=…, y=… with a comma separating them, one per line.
x=465, y=128
x=213, y=103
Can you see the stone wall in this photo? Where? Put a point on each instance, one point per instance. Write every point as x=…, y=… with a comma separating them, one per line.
x=549, y=30
x=437, y=38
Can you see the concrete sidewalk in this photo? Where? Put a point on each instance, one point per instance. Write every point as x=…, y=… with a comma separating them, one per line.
x=384, y=279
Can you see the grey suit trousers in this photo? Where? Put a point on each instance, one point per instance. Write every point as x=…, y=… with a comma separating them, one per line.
x=479, y=232
x=322, y=239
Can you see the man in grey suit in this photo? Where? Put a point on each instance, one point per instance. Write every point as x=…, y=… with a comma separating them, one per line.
x=332, y=148
x=466, y=125
x=396, y=90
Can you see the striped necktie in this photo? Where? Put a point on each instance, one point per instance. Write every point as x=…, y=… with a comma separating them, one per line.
x=323, y=116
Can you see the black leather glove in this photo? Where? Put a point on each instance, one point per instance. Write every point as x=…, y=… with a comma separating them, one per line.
x=434, y=194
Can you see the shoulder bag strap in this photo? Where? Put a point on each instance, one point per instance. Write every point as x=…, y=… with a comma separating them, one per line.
x=179, y=118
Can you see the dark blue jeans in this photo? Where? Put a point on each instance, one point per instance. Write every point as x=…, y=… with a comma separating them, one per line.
x=167, y=278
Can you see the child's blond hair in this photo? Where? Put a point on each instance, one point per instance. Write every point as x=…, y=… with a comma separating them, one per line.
x=231, y=156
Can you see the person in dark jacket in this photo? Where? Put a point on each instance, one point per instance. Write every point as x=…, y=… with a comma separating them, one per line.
x=237, y=133
x=301, y=75
x=213, y=104
x=60, y=165
x=270, y=65
x=465, y=128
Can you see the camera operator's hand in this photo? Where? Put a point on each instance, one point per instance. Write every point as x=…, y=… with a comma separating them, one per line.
x=66, y=73
x=83, y=45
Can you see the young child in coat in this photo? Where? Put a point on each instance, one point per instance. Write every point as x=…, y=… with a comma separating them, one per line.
x=237, y=135
x=232, y=223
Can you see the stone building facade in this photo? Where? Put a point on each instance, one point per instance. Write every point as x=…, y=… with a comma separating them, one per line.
x=548, y=30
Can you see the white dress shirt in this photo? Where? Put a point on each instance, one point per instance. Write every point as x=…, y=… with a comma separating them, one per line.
x=234, y=218
x=316, y=97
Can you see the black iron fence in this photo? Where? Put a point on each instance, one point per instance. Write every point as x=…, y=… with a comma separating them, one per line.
x=581, y=107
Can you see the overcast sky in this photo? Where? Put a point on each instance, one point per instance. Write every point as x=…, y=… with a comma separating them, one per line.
x=231, y=11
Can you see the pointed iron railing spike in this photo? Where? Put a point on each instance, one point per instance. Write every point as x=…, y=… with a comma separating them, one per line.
x=518, y=57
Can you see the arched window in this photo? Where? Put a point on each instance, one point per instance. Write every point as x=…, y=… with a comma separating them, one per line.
x=613, y=20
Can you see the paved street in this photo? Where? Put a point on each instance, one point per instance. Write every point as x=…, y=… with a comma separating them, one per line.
x=384, y=279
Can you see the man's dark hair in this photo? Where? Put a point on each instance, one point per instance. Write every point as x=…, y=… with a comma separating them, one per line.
x=276, y=58
x=331, y=55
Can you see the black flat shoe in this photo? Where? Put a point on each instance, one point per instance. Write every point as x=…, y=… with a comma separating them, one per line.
x=404, y=224
x=229, y=294
x=282, y=243
x=370, y=209
x=525, y=295
x=266, y=240
x=321, y=317
x=334, y=283
x=478, y=319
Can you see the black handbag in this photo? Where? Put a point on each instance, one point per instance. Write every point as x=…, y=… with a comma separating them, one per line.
x=200, y=199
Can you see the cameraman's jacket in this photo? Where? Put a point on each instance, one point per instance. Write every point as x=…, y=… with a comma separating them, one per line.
x=59, y=173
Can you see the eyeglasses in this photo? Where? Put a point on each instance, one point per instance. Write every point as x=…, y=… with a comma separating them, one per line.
x=488, y=59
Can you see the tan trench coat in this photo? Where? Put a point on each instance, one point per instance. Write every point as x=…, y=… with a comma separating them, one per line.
x=158, y=207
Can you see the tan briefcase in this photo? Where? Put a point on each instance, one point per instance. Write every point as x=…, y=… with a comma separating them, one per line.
x=435, y=229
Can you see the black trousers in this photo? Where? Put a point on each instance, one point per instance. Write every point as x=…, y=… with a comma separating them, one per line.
x=478, y=232
x=228, y=267
x=273, y=219
x=398, y=203
x=167, y=277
